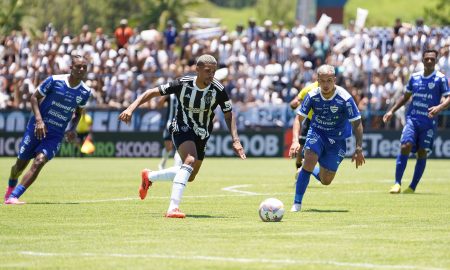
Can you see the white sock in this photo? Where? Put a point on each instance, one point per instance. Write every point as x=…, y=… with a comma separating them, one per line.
x=164, y=175
x=179, y=184
x=178, y=162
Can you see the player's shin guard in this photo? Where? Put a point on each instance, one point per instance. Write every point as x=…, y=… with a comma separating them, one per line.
x=302, y=184
x=418, y=172
x=402, y=160
x=179, y=184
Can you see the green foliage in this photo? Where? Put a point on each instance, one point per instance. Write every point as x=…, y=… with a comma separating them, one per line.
x=11, y=14
x=85, y=214
x=440, y=13
x=281, y=10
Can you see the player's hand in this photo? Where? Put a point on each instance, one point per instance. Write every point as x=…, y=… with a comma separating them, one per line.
x=387, y=117
x=71, y=136
x=239, y=150
x=125, y=116
x=293, y=151
x=40, y=130
x=358, y=156
x=433, y=111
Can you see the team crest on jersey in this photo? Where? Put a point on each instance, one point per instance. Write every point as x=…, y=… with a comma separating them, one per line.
x=27, y=140
x=78, y=99
x=431, y=85
x=208, y=98
x=334, y=109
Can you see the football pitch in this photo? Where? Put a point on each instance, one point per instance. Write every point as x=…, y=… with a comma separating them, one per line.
x=85, y=214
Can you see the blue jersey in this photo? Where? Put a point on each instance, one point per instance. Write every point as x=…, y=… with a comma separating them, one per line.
x=331, y=116
x=59, y=103
x=426, y=92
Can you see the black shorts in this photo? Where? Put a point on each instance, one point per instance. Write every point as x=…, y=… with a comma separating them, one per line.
x=166, y=135
x=305, y=128
x=188, y=134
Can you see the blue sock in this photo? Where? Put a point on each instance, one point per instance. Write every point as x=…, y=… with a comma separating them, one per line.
x=12, y=182
x=402, y=160
x=18, y=191
x=302, y=184
x=315, y=173
x=418, y=172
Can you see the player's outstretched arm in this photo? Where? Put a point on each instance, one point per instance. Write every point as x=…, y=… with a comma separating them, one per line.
x=295, y=146
x=358, y=156
x=40, y=130
x=388, y=116
x=126, y=115
x=237, y=146
x=433, y=111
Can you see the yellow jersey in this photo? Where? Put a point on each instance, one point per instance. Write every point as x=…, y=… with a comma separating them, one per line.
x=84, y=126
x=301, y=96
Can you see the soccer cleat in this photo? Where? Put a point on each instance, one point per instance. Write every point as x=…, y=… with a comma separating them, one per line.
x=9, y=190
x=145, y=184
x=13, y=200
x=395, y=189
x=409, y=190
x=296, y=207
x=175, y=213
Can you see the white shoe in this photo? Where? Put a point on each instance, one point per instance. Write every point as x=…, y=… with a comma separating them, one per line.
x=296, y=207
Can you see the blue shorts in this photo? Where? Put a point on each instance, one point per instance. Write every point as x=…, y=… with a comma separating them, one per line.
x=30, y=146
x=331, y=152
x=187, y=134
x=420, y=135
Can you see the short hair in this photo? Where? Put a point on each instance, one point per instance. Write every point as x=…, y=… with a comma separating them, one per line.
x=78, y=57
x=430, y=51
x=206, y=59
x=326, y=70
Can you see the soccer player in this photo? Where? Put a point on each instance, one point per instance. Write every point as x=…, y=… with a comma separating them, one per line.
x=53, y=105
x=426, y=87
x=294, y=104
x=168, y=148
x=197, y=97
x=325, y=143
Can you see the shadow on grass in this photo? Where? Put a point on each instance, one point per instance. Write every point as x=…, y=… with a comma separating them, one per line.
x=203, y=216
x=326, y=211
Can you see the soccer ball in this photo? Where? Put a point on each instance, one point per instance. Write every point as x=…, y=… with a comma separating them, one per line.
x=271, y=210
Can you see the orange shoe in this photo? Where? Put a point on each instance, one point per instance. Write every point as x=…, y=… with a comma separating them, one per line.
x=145, y=184
x=175, y=213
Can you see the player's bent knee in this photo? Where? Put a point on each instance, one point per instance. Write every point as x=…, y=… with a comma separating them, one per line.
x=39, y=161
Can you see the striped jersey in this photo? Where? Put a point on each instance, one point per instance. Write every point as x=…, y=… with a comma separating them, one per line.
x=171, y=110
x=196, y=106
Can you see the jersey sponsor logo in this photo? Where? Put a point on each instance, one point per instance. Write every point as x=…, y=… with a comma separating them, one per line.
x=431, y=85
x=334, y=109
x=27, y=139
x=331, y=140
x=78, y=99
x=227, y=105
x=200, y=132
x=164, y=87
x=184, y=128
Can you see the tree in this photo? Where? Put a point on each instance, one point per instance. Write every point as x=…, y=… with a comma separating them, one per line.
x=281, y=10
x=11, y=15
x=440, y=13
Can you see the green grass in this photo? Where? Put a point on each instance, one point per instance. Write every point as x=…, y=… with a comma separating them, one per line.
x=384, y=12
x=72, y=221
x=381, y=12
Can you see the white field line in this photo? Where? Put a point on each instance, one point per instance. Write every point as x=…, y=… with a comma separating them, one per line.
x=226, y=259
x=235, y=189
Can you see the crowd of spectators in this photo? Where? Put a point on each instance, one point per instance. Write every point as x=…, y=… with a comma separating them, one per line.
x=265, y=64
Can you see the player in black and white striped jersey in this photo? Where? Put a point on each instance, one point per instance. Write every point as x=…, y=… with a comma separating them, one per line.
x=197, y=97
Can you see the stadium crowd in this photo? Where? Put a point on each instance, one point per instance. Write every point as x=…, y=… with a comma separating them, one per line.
x=265, y=64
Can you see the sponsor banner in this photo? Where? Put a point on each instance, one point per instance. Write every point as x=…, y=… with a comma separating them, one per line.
x=140, y=144
x=385, y=144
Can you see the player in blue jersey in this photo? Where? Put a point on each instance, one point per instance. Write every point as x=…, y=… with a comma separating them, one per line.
x=427, y=88
x=325, y=143
x=53, y=104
